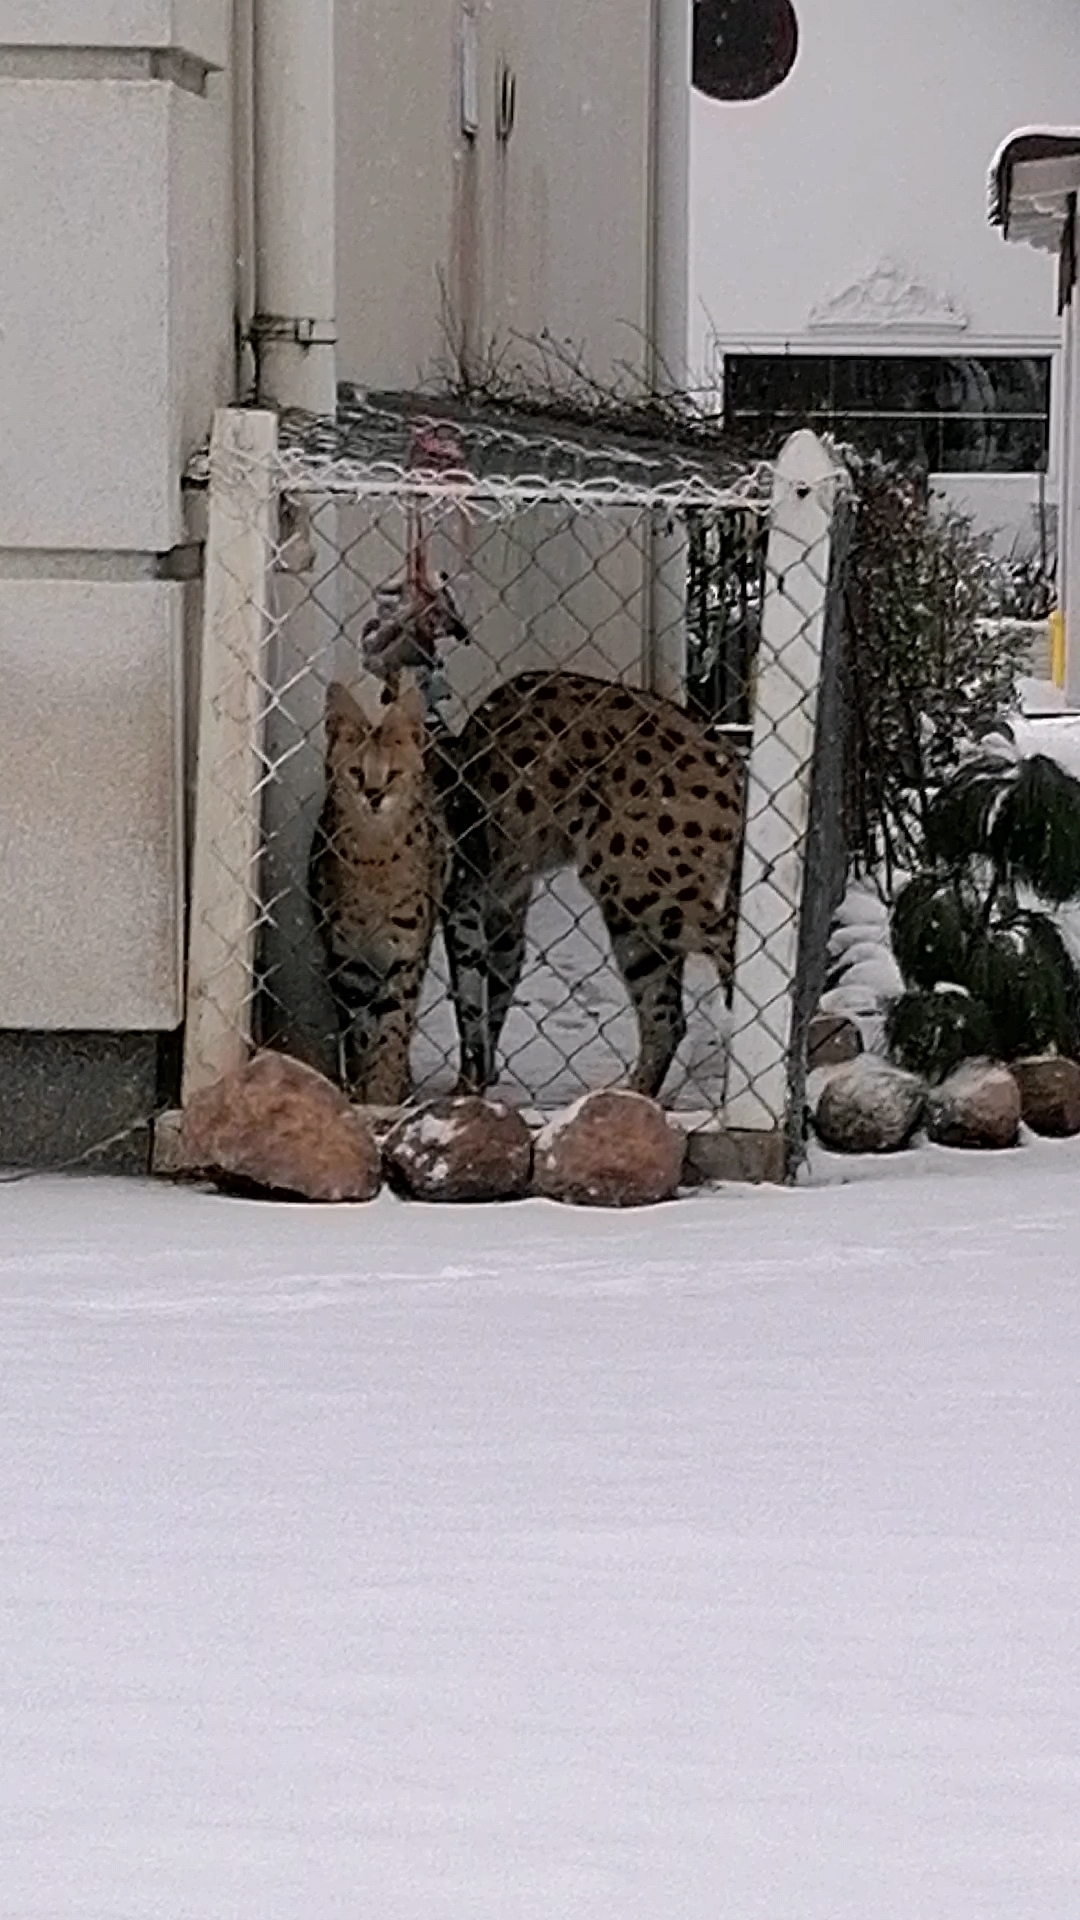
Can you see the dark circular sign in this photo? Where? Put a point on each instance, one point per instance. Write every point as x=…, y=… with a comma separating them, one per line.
x=743, y=49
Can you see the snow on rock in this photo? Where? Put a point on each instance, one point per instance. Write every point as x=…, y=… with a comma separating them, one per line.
x=878, y=974
x=862, y=907
x=280, y=1127
x=461, y=1149
x=1049, y=1090
x=977, y=1106
x=611, y=1149
x=869, y=1107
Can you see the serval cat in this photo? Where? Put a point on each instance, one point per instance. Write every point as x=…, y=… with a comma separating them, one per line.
x=561, y=769
x=378, y=863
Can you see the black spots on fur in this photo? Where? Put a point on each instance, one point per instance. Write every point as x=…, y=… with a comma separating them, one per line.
x=547, y=692
x=719, y=836
x=665, y=824
x=575, y=827
x=640, y=848
x=603, y=815
x=643, y=757
x=618, y=845
x=667, y=787
x=687, y=894
x=647, y=728
x=523, y=756
x=699, y=792
x=683, y=870
x=671, y=742
x=694, y=830
x=642, y=904
x=618, y=776
x=671, y=922
x=500, y=781
x=685, y=762
x=622, y=703
x=589, y=741
x=638, y=789
x=608, y=886
x=592, y=865
x=526, y=801
x=659, y=876
x=559, y=779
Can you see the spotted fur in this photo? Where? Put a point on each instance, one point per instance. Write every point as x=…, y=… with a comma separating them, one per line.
x=565, y=770
x=376, y=878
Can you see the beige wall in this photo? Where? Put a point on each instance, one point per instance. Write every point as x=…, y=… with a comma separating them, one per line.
x=547, y=231
x=117, y=342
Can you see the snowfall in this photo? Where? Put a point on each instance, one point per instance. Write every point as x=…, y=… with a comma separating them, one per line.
x=713, y=1562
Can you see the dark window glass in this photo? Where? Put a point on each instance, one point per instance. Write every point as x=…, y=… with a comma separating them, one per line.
x=743, y=49
x=932, y=411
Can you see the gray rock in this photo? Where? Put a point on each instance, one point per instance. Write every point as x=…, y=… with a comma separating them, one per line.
x=1049, y=1095
x=977, y=1106
x=869, y=1107
x=833, y=1040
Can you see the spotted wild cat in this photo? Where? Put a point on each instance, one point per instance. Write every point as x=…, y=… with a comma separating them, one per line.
x=377, y=868
x=560, y=769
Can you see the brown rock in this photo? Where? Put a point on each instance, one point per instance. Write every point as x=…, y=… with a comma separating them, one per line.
x=611, y=1149
x=832, y=1041
x=977, y=1106
x=279, y=1127
x=869, y=1107
x=1049, y=1095
x=461, y=1148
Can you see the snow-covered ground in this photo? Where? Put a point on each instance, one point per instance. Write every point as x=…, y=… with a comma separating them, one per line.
x=719, y=1562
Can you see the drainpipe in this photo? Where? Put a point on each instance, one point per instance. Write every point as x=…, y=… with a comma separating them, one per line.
x=244, y=177
x=669, y=195
x=295, y=329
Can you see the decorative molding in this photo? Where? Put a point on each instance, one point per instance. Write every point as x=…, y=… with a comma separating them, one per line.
x=889, y=299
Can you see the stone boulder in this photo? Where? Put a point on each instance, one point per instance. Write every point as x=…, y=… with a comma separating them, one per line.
x=869, y=1107
x=612, y=1149
x=1049, y=1095
x=278, y=1127
x=977, y=1106
x=460, y=1148
x=832, y=1041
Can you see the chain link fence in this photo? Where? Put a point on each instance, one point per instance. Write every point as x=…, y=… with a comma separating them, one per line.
x=517, y=766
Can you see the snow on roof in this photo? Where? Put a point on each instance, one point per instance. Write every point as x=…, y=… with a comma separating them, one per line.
x=1033, y=175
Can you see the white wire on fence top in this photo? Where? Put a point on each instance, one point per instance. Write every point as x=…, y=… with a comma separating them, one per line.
x=618, y=479
x=499, y=494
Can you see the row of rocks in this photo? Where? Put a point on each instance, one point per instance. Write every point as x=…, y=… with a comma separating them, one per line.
x=278, y=1127
x=870, y=1106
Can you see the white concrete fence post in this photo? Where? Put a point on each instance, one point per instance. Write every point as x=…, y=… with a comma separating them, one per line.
x=229, y=772
x=779, y=782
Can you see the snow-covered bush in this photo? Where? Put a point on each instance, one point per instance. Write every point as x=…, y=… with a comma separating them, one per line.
x=927, y=679
x=986, y=967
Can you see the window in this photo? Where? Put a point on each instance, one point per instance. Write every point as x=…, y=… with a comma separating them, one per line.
x=935, y=413
x=743, y=49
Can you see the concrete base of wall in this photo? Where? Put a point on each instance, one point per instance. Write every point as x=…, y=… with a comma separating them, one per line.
x=86, y=1098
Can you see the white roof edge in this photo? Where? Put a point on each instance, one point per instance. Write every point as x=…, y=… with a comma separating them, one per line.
x=1037, y=215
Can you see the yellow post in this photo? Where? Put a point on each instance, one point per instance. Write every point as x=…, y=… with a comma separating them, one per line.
x=1057, y=647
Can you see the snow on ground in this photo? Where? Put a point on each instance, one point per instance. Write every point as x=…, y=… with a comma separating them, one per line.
x=718, y=1562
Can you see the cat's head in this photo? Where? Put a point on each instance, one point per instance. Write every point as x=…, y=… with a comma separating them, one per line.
x=375, y=740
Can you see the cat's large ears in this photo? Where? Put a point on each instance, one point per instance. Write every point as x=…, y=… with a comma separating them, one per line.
x=370, y=702
x=410, y=700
